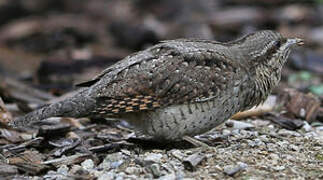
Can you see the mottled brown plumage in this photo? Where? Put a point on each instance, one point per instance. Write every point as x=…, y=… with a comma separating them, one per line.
x=180, y=87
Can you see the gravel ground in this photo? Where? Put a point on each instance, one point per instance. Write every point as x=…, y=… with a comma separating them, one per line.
x=248, y=149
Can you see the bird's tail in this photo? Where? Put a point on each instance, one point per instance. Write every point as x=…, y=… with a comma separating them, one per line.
x=76, y=106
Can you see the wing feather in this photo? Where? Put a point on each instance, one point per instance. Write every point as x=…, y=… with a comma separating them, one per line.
x=162, y=76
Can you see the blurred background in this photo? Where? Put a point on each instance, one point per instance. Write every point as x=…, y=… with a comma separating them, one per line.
x=51, y=45
x=48, y=46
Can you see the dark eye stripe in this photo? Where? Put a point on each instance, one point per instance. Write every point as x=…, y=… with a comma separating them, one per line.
x=273, y=49
x=277, y=43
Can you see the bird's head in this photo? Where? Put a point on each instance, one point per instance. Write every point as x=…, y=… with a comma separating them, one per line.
x=267, y=47
x=265, y=53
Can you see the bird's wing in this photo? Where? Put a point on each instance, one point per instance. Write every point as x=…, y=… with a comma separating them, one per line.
x=118, y=67
x=164, y=76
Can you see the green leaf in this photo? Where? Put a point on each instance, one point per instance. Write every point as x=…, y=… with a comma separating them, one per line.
x=317, y=89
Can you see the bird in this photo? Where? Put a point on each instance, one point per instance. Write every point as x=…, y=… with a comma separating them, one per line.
x=181, y=87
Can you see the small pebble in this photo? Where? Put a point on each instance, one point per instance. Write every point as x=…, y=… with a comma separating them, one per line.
x=120, y=176
x=255, y=143
x=274, y=158
x=279, y=168
x=287, y=133
x=260, y=123
x=264, y=138
x=236, y=132
x=126, y=152
x=311, y=134
x=271, y=147
x=88, y=164
x=294, y=147
x=319, y=128
x=113, y=161
x=153, y=157
x=239, y=124
x=178, y=154
x=226, y=132
x=132, y=170
x=306, y=127
x=63, y=170
x=155, y=170
x=232, y=170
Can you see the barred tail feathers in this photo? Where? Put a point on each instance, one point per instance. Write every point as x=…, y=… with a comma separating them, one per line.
x=75, y=106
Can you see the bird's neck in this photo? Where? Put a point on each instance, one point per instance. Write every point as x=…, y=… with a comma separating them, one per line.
x=267, y=75
x=266, y=79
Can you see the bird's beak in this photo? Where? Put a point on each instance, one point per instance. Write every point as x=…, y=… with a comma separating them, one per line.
x=297, y=41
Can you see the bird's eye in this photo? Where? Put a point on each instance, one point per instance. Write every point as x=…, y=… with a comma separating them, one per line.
x=277, y=43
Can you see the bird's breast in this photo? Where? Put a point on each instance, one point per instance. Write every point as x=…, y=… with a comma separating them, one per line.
x=176, y=121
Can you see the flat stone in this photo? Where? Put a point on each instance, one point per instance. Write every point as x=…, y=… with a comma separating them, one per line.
x=260, y=123
x=112, y=161
x=239, y=124
x=178, y=154
x=232, y=170
x=87, y=164
x=226, y=132
x=287, y=133
x=153, y=157
x=132, y=170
